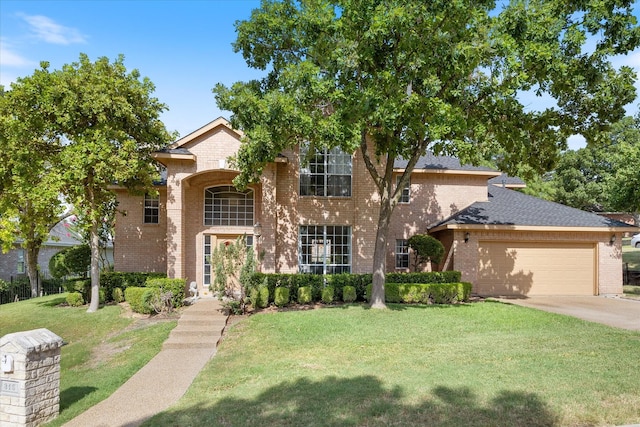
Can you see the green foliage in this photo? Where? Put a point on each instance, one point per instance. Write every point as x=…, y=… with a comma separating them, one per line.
x=364, y=75
x=174, y=287
x=259, y=296
x=75, y=299
x=117, y=295
x=304, y=295
x=281, y=297
x=426, y=248
x=233, y=264
x=117, y=279
x=135, y=296
x=348, y=294
x=328, y=293
x=79, y=285
x=81, y=129
x=426, y=293
x=73, y=261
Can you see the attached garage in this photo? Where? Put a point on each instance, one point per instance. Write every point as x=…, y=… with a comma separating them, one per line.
x=517, y=245
x=536, y=268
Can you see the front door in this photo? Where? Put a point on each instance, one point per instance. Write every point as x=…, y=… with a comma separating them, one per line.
x=212, y=241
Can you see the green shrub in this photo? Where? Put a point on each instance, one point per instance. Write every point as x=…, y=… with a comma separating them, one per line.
x=348, y=293
x=304, y=295
x=71, y=261
x=134, y=296
x=117, y=295
x=464, y=291
x=74, y=299
x=281, y=297
x=327, y=294
x=174, y=286
x=79, y=285
x=259, y=297
x=109, y=280
x=444, y=293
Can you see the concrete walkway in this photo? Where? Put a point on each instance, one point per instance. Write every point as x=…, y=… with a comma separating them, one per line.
x=617, y=312
x=162, y=381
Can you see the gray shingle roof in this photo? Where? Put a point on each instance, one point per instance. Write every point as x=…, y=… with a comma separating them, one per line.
x=510, y=207
x=430, y=161
x=174, y=151
x=507, y=180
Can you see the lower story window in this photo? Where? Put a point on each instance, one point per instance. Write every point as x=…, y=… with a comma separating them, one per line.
x=402, y=254
x=324, y=249
x=20, y=267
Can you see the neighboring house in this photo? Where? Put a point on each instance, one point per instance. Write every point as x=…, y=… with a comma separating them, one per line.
x=322, y=217
x=13, y=263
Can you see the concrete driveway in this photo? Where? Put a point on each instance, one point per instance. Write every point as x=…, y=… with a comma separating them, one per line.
x=617, y=312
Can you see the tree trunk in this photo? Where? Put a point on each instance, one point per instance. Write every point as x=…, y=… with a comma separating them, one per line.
x=380, y=255
x=94, y=244
x=31, y=252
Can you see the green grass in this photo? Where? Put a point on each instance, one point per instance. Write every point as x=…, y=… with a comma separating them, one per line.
x=103, y=349
x=484, y=364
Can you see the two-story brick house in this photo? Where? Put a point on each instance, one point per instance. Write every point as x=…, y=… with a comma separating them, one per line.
x=321, y=217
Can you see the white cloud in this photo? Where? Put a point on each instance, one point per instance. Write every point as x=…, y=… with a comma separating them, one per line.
x=49, y=31
x=10, y=58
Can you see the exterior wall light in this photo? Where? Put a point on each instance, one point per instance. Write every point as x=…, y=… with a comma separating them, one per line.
x=612, y=241
x=467, y=235
x=257, y=230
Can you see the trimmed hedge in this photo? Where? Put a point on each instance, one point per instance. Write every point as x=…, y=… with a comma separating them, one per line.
x=348, y=294
x=281, y=297
x=425, y=293
x=304, y=295
x=117, y=279
x=328, y=293
x=74, y=299
x=316, y=283
x=134, y=295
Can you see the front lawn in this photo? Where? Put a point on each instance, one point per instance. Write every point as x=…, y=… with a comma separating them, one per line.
x=630, y=255
x=103, y=349
x=483, y=364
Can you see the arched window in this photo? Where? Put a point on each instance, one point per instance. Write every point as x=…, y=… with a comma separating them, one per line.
x=225, y=205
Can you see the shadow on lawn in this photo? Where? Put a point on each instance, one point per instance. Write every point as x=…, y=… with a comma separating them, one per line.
x=363, y=401
x=71, y=395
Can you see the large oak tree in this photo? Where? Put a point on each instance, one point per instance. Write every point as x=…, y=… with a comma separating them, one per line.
x=395, y=78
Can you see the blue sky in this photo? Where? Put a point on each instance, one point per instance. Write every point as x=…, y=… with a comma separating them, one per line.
x=184, y=47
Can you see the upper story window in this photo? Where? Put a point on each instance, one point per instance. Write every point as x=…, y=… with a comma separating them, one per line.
x=224, y=205
x=405, y=197
x=327, y=173
x=151, y=209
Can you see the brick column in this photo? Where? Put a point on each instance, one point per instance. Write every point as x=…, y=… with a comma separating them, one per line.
x=29, y=378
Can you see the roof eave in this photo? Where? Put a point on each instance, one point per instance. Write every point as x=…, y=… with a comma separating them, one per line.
x=490, y=174
x=513, y=227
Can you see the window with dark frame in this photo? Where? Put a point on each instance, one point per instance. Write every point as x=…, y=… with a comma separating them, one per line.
x=325, y=173
x=405, y=197
x=402, y=254
x=225, y=205
x=324, y=249
x=151, y=209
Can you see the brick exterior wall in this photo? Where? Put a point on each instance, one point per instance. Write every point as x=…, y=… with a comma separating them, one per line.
x=138, y=246
x=465, y=256
x=176, y=244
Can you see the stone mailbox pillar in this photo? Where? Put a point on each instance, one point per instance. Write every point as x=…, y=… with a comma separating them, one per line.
x=29, y=378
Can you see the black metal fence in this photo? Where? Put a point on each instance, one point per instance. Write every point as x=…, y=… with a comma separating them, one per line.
x=630, y=277
x=19, y=289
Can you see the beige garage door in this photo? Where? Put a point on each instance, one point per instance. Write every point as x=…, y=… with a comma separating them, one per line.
x=508, y=268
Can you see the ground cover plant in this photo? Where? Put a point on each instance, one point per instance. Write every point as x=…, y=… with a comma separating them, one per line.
x=479, y=364
x=103, y=349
